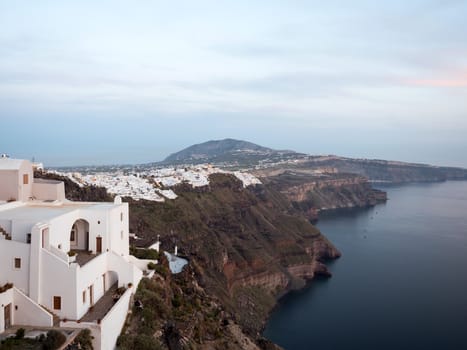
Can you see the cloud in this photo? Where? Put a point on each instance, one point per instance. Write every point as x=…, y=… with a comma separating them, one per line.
x=452, y=77
x=452, y=83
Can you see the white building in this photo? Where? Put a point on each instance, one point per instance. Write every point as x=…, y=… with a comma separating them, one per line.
x=60, y=256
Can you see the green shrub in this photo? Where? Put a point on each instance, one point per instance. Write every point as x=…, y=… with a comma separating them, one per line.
x=151, y=266
x=54, y=340
x=84, y=338
x=176, y=301
x=140, y=342
x=20, y=333
x=146, y=342
x=162, y=270
x=141, y=253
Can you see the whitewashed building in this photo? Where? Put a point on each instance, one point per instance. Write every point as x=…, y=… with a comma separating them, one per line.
x=57, y=257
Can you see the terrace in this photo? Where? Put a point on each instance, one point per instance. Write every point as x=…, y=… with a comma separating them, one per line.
x=98, y=311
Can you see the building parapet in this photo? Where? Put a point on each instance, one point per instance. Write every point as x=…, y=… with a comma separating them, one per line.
x=59, y=254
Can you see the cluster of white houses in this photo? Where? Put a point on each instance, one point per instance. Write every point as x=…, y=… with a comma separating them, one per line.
x=58, y=258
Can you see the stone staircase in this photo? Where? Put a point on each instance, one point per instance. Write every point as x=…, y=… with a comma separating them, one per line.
x=56, y=318
x=4, y=234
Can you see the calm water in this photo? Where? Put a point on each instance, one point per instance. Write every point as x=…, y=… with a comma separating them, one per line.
x=400, y=284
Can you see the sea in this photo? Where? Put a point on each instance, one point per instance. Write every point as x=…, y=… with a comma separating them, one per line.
x=401, y=282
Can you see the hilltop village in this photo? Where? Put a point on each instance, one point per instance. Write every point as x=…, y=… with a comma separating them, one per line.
x=153, y=184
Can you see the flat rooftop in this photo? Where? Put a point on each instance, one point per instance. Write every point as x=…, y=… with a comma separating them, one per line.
x=43, y=210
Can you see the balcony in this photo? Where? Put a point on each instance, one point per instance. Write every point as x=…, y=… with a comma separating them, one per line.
x=82, y=257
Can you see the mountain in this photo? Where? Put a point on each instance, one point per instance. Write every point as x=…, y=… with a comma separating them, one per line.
x=234, y=152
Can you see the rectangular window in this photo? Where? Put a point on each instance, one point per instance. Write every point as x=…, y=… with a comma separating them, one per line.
x=84, y=296
x=28, y=238
x=25, y=179
x=57, y=303
x=121, y=217
x=17, y=263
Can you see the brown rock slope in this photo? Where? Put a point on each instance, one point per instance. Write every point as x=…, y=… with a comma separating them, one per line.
x=174, y=312
x=249, y=245
x=311, y=193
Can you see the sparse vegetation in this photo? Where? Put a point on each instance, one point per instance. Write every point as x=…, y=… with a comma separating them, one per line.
x=141, y=253
x=84, y=340
x=52, y=341
x=20, y=333
x=164, y=305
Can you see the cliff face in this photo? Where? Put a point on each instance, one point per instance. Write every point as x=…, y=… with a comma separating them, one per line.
x=238, y=238
x=388, y=171
x=312, y=193
x=174, y=312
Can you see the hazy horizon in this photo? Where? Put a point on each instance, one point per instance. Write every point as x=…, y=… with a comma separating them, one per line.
x=118, y=83
x=71, y=165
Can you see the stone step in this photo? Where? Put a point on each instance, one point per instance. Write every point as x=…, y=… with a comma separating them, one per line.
x=4, y=233
x=56, y=318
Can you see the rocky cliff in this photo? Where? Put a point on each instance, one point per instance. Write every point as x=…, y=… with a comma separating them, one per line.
x=249, y=245
x=175, y=312
x=311, y=192
x=387, y=171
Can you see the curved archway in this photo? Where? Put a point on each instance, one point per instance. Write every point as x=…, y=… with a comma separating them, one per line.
x=79, y=235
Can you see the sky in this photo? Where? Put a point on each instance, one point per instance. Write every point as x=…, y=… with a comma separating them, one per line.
x=106, y=82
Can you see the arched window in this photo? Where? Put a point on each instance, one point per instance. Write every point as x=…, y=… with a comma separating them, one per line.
x=73, y=233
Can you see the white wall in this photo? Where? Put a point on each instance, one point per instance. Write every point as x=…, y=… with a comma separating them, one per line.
x=20, y=229
x=58, y=279
x=29, y=313
x=5, y=299
x=35, y=265
x=90, y=275
x=113, y=322
x=127, y=272
x=9, y=188
x=118, y=229
x=141, y=264
x=97, y=218
x=48, y=190
x=25, y=189
x=9, y=250
x=60, y=228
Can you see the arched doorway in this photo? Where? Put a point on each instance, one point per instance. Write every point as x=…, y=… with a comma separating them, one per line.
x=79, y=235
